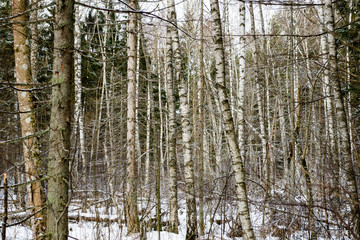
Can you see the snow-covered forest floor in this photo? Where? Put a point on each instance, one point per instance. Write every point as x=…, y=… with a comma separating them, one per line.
x=100, y=221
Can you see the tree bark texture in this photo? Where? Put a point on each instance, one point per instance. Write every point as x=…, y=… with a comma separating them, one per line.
x=79, y=120
x=27, y=107
x=34, y=39
x=260, y=99
x=131, y=208
x=229, y=123
x=241, y=84
x=191, y=221
x=342, y=125
x=328, y=103
x=170, y=98
x=60, y=118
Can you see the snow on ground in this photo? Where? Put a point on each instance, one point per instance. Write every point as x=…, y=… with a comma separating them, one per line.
x=18, y=233
x=91, y=230
x=88, y=231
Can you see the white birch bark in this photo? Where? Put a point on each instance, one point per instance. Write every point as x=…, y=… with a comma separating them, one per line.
x=228, y=65
x=229, y=123
x=148, y=136
x=137, y=133
x=149, y=109
x=259, y=98
x=342, y=126
x=283, y=134
x=266, y=71
x=160, y=159
x=218, y=133
x=161, y=133
x=266, y=125
x=217, y=136
x=266, y=100
x=242, y=81
x=191, y=218
x=328, y=110
x=131, y=208
x=352, y=18
x=173, y=218
x=79, y=120
x=108, y=136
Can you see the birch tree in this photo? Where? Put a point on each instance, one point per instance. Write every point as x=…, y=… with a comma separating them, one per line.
x=259, y=98
x=241, y=84
x=328, y=103
x=131, y=208
x=229, y=123
x=170, y=99
x=79, y=120
x=343, y=129
x=191, y=221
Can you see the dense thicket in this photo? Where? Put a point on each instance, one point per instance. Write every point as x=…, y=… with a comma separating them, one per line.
x=256, y=117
